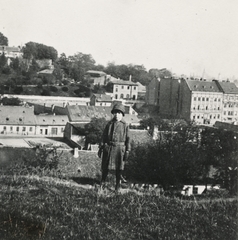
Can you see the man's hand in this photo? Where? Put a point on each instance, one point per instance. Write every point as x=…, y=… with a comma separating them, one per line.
x=126, y=156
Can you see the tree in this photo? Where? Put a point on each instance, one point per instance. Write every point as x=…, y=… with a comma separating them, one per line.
x=11, y=101
x=39, y=51
x=79, y=64
x=3, y=61
x=3, y=40
x=160, y=73
x=93, y=131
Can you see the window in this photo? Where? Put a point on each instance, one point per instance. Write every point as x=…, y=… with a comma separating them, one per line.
x=30, y=129
x=199, y=99
x=194, y=98
x=122, y=87
x=206, y=107
x=23, y=129
x=41, y=131
x=17, y=129
x=54, y=131
x=134, y=88
x=127, y=96
x=62, y=129
x=128, y=87
x=207, y=99
x=4, y=128
x=122, y=96
x=116, y=96
x=116, y=89
x=11, y=128
x=203, y=99
x=224, y=112
x=218, y=116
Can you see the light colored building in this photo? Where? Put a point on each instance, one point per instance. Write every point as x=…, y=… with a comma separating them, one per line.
x=17, y=120
x=124, y=90
x=201, y=101
x=51, y=125
x=11, y=52
x=230, y=101
x=101, y=100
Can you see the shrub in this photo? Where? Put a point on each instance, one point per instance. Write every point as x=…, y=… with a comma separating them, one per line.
x=53, y=89
x=65, y=89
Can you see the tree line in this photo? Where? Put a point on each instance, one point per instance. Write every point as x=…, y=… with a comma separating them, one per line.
x=24, y=70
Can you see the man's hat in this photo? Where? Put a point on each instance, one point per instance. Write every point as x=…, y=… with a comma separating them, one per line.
x=118, y=107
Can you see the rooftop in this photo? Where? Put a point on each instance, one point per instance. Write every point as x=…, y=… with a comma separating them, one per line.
x=17, y=115
x=202, y=86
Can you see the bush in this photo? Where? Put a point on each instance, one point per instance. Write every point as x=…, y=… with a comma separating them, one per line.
x=46, y=92
x=53, y=89
x=64, y=89
x=18, y=90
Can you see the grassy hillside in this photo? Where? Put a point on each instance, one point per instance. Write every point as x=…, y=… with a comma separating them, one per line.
x=71, y=206
x=32, y=208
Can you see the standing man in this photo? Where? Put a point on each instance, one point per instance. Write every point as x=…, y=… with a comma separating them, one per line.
x=115, y=145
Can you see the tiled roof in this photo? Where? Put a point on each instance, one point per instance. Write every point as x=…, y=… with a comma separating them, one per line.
x=202, y=86
x=79, y=113
x=17, y=115
x=103, y=98
x=122, y=82
x=51, y=120
x=228, y=87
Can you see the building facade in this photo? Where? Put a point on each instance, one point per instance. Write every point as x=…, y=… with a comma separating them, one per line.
x=152, y=92
x=204, y=102
x=125, y=90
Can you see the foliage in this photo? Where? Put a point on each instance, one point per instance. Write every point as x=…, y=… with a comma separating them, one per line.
x=53, y=89
x=32, y=208
x=64, y=89
x=18, y=90
x=93, y=131
x=3, y=40
x=220, y=149
x=3, y=61
x=160, y=73
x=39, y=51
x=83, y=91
x=10, y=101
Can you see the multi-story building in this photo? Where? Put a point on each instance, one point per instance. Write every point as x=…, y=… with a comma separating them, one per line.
x=125, y=89
x=230, y=101
x=205, y=102
x=152, y=92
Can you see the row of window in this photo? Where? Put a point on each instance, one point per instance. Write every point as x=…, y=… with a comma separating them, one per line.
x=206, y=99
x=127, y=96
x=230, y=113
x=206, y=108
x=17, y=129
x=211, y=116
x=122, y=87
x=230, y=105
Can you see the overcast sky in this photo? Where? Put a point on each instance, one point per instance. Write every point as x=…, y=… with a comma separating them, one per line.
x=192, y=37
